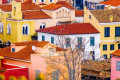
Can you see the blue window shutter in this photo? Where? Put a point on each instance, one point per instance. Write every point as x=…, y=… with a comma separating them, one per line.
x=67, y=42
x=92, y=41
x=52, y=40
x=112, y=47
x=23, y=30
x=104, y=47
x=26, y=31
x=43, y=38
x=107, y=32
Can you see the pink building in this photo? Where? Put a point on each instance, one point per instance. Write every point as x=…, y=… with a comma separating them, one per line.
x=115, y=65
x=29, y=54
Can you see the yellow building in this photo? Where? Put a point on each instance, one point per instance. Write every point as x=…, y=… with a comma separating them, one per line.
x=108, y=23
x=17, y=21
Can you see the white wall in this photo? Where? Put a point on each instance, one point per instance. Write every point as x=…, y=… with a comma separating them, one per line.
x=86, y=41
x=79, y=19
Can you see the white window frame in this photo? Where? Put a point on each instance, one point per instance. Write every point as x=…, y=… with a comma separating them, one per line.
x=28, y=31
x=8, y=29
x=1, y=27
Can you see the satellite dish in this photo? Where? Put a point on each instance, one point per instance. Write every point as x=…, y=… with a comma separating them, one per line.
x=33, y=48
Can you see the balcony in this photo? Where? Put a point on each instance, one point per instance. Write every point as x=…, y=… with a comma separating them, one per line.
x=117, y=39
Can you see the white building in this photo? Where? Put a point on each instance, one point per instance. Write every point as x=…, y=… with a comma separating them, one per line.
x=82, y=35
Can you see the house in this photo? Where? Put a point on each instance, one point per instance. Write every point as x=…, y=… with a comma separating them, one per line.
x=93, y=4
x=114, y=3
x=107, y=22
x=81, y=35
x=18, y=23
x=12, y=72
x=115, y=65
x=29, y=54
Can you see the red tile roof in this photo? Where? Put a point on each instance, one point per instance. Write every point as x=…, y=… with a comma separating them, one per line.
x=77, y=28
x=42, y=43
x=116, y=53
x=37, y=14
x=42, y=4
x=25, y=53
x=111, y=2
x=65, y=4
x=58, y=5
x=79, y=13
x=6, y=7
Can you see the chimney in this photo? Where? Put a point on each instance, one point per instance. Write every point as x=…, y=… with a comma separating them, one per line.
x=109, y=6
x=84, y=9
x=111, y=18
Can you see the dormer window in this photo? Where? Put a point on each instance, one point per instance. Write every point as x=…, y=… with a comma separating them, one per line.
x=43, y=25
x=13, y=49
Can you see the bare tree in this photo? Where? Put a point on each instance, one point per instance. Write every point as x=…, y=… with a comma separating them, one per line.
x=70, y=60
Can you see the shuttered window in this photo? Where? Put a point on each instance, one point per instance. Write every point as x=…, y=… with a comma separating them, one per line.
x=118, y=65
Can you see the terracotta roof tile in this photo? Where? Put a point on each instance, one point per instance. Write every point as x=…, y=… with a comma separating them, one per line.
x=8, y=7
x=58, y=5
x=79, y=13
x=38, y=14
x=116, y=53
x=103, y=16
x=25, y=53
x=65, y=4
x=77, y=28
x=111, y=2
x=35, y=43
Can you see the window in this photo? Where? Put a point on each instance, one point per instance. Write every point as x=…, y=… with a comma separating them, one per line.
x=118, y=65
x=55, y=75
x=51, y=0
x=37, y=73
x=1, y=28
x=43, y=25
x=107, y=32
x=52, y=40
x=117, y=31
x=13, y=49
x=8, y=29
x=79, y=42
x=118, y=46
x=104, y=47
x=111, y=46
x=89, y=16
x=43, y=38
x=67, y=42
x=92, y=41
x=42, y=1
x=25, y=29
x=105, y=56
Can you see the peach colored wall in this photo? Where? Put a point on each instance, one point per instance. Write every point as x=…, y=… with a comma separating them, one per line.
x=60, y=18
x=17, y=48
x=48, y=22
x=93, y=20
x=0, y=1
x=37, y=63
x=114, y=73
